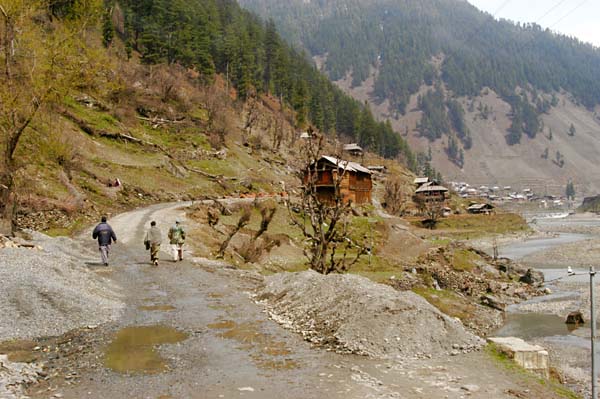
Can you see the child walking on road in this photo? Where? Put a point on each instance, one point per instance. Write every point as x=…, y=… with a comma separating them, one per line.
x=177, y=239
x=152, y=241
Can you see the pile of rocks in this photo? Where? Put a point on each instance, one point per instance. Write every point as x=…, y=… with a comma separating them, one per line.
x=351, y=314
x=15, y=376
x=49, y=290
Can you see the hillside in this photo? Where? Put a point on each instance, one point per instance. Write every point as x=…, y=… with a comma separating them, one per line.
x=126, y=91
x=427, y=66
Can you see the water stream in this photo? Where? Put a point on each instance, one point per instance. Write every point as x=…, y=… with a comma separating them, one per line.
x=529, y=326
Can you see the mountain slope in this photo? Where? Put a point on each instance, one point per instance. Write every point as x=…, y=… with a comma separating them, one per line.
x=125, y=91
x=446, y=50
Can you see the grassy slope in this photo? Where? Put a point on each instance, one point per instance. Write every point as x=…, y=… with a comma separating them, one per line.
x=66, y=171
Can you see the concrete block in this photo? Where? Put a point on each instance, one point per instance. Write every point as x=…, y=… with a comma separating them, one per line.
x=533, y=358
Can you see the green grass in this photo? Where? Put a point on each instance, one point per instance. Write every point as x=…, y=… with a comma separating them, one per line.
x=464, y=260
x=200, y=113
x=440, y=242
x=448, y=302
x=99, y=119
x=501, y=223
x=468, y=226
x=73, y=227
x=222, y=167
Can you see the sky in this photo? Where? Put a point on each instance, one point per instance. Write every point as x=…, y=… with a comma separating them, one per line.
x=578, y=18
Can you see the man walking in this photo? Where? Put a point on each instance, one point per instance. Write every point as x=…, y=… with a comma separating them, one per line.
x=177, y=239
x=105, y=235
x=152, y=241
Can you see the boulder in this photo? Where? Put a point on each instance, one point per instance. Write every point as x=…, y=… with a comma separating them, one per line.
x=533, y=358
x=575, y=318
x=532, y=277
x=493, y=302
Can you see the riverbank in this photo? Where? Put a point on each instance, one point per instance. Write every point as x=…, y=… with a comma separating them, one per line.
x=558, y=244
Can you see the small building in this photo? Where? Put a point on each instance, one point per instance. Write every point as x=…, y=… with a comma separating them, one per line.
x=420, y=181
x=431, y=193
x=355, y=185
x=481, y=208
x=353, y=149
x=377, y=168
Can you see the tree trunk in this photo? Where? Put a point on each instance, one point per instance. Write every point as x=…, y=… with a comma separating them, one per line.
x=9, y=206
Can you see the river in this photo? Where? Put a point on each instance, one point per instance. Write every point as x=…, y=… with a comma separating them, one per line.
x=539, y=326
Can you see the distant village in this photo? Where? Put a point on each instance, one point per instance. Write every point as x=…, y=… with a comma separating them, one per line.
x=502, y=194
x=430, y=190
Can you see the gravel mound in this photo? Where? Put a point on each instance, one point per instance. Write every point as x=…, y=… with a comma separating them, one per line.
x=352, y=314
x=14, y=376
x=49, y=290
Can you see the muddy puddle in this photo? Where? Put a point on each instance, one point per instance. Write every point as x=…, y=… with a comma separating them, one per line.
x=157, y=308
x=133, y=349
x=20, y=351
x=534, y=325
x=269, y=354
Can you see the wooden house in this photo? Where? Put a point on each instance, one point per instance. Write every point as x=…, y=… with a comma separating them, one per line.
x=355, y=182
x=420, y=181
x=431, y=193
x=481, y=208
x=353, y=149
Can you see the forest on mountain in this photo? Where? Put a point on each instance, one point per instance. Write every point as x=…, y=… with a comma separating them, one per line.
x=217, y=36
x=414, y=43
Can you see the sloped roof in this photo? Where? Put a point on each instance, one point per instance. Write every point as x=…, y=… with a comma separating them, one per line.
x=421, y=180
x=475, y=207
x=425, y=189
x=346, y=165
x=352, y=147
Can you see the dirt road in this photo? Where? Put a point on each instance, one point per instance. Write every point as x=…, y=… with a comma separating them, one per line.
x=230, y=349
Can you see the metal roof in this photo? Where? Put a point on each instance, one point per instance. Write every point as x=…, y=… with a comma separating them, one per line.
x=425, y=189
x=346, y=165
x=480, y=206
x=352, y=147
x=421, y=180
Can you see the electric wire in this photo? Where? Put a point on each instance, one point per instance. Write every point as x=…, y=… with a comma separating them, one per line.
x=550, y=10
x=568, y=14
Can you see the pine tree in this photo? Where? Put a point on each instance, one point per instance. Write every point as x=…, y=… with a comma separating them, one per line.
x=570, y=191
x=108, y=30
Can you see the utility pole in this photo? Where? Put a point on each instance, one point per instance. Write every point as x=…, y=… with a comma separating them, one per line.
x=592, y=273
x=593, y=338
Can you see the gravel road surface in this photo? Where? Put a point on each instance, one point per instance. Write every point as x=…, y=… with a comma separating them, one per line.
x=231, y=348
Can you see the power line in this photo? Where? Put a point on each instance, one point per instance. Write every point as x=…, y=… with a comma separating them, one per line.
x=568, y=14
x=501, y=7
x=550, y=10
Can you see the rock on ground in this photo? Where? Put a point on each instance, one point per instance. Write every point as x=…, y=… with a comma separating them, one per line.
x=14, y=376
x=51, y=290
x=352, y=314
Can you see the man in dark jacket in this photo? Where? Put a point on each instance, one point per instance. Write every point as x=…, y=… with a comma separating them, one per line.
x=106, y=236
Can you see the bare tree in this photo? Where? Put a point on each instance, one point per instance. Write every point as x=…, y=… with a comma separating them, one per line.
x=242, y=222
x=277, y=132
x=325, y=222
x=431, y=209
x=41, y=64
x=252, y=114
x=216, y=101
x=393, y=196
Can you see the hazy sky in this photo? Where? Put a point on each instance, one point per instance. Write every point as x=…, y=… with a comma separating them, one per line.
x=579, y=18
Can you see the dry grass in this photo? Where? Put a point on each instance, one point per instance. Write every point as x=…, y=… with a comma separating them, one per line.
x=469, y=226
